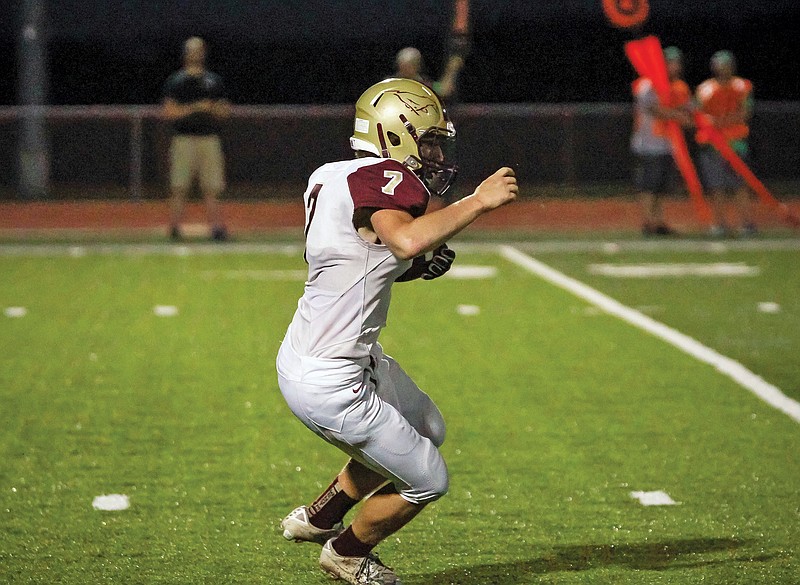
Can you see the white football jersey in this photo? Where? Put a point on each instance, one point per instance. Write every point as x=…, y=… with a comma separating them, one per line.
x=346, y=297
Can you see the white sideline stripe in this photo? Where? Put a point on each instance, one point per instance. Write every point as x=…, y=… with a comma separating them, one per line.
x=616, y=247
x=181, y=250
x=290, y=249
x=291, y=275
x=725, y=365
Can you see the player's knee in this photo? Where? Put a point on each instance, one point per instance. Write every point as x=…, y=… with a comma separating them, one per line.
x=428, y=493
x=440, y=485
x=432, y=482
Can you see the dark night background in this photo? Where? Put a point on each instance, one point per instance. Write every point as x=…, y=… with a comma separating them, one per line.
x=120, y=51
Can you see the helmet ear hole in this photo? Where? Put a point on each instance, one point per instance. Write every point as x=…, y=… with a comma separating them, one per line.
x=393, y=138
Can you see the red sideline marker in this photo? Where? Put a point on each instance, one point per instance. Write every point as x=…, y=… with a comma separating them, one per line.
x=647, y=57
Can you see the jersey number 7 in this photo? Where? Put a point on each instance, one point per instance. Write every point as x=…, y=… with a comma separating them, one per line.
x=311, y=205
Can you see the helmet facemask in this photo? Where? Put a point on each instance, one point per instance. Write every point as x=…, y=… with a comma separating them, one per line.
x=436, y=147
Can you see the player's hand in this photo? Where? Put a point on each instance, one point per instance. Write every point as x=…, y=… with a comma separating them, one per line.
x=440, y=263
x=428, y=269
x=498, y=189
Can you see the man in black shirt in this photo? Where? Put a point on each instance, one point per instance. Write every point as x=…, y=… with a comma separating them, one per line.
x=194, y=101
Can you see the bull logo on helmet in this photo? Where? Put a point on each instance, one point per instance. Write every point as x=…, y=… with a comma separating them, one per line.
x=419, y=104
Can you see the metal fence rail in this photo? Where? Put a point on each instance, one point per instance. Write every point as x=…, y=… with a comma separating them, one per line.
x=121, y=151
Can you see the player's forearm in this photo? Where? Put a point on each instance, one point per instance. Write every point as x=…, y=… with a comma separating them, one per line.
x=408, y=238
x=428, y=232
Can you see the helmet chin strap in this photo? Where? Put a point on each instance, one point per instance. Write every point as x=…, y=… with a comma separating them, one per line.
x=439, y=180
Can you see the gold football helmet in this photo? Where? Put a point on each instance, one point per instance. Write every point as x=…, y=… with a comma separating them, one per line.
x=404, y=120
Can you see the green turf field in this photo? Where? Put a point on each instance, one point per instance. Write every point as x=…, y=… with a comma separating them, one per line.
x=555, y=410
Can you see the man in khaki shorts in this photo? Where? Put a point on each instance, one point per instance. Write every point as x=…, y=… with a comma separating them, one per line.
x=194, y=101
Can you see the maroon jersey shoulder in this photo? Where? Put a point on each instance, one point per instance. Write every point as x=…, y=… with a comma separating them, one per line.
x=388, y=185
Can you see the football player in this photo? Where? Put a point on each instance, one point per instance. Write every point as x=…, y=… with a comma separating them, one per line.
x=367, y=228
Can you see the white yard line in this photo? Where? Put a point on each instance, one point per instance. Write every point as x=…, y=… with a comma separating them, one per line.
x=731, y=368
x=262, y=275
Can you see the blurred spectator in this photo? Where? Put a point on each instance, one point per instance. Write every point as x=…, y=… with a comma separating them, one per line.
x=194, y=101
x=410, y=66
x=655, y=169
x=728, y=101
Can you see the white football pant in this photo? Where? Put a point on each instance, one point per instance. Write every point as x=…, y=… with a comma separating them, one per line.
x=373, y=412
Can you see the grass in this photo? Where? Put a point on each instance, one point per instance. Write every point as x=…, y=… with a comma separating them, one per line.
x=554, y=415
x=722, y=313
